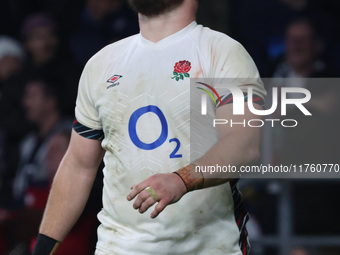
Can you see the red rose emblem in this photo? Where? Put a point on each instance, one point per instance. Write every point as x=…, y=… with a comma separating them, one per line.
x=182, y=66
x=181, y=70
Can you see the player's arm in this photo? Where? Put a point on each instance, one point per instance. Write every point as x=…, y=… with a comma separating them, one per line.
x=237, y=145
x=70, y=190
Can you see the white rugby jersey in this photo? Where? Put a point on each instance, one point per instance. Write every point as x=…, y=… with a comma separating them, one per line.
x=138, y=93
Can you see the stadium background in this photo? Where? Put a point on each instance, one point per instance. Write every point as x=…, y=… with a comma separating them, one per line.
x=288, y=216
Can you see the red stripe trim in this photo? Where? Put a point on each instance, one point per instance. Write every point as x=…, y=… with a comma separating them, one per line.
x=240, y=218
x=244, y=247
x=257, y=99
x=228, y=100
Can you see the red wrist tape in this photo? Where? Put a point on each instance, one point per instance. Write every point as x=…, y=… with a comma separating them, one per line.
x=193, y=180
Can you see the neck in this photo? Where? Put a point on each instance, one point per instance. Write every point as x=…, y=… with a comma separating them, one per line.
x=159, y=27
x=48, y=123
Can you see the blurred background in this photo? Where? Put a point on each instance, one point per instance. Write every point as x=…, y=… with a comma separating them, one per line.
x=44, y=44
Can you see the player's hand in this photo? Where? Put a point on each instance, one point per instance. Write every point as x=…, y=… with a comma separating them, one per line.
x=169, y=188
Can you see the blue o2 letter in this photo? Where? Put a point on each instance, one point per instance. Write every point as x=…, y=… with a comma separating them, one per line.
x=174, y=153
x=133, y=131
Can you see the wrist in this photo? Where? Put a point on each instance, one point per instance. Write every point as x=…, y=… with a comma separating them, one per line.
x=192, y=180
x=180, y=185
x=45, y=245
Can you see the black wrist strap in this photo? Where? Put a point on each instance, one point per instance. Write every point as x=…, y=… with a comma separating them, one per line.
x=45, y=245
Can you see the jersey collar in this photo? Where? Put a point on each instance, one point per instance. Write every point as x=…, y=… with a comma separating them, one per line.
x=169, y=39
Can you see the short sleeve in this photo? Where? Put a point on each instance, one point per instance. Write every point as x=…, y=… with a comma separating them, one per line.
x=85, y=111
x=233, y=66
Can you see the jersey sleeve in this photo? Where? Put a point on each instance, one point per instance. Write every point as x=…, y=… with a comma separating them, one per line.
x=228, y=99
x=85, y=111
x=233, y=66
x=89, y=133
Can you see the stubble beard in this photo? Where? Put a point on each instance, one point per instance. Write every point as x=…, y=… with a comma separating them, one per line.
x=152, y=8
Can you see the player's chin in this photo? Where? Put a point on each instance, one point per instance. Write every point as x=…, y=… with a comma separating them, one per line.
x=153, y=8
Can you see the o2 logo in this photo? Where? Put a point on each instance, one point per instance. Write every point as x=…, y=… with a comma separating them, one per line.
x=163, y=136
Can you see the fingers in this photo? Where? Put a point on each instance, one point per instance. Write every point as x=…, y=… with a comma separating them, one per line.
x=144, y=202
x=146, y=205
x=144, y=195
x=135, y=190
x=163, y=188
x=159, y=208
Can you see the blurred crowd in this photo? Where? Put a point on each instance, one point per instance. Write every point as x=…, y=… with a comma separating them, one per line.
x=297, y=44
x=43, y=48
x=44, y=44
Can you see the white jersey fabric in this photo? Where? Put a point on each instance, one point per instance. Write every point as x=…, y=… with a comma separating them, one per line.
x=128, y=90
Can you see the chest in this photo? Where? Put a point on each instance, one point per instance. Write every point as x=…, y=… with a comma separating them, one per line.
x=140, y=79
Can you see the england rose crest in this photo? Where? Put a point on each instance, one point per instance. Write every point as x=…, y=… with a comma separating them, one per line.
x=181, y=70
